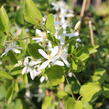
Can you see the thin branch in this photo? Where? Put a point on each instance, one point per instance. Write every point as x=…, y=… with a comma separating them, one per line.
x=91, y=33
x=83, y=8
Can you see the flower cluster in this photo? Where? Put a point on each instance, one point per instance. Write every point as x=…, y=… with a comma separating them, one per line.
x=50, y=54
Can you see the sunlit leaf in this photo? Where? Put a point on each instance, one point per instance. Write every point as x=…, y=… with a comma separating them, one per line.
x=50, y=23
x=31, y=13
x=90, y=90
x=4, y=21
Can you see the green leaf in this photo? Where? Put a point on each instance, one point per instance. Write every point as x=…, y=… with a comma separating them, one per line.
x=90, y=91
x=83, y=54
x=18, y=104
x=2, y=92
x=93, y=49
x=25, y=79
x=87, y=106
x=78, y=105
x=99, y=75
x=54, y=41
x=75, y=86
x=12, y=57
x=33, y=50
x=16, y=87
x=47, y=102
x=69, y=103
x=23, y=43
x=74, y=65
x=4, y=21
x=9, y=94
x=61, y=94
x=31, y=13
x=5, y=75
x=3, y=38
x=68, y=89
x=20, y=17
x=16, y=71
x=106, y=90
x=55, y=75
x=50, y=23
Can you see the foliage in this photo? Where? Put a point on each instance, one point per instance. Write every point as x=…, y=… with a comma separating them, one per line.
x=47, y=60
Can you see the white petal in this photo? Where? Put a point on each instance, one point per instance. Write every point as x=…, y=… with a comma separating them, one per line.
x=43, y=53
x=72, y=34
x=60, y=63
x=65, y=61
x=62, y=41
x=4, y=54
x=6, y=51
x=24, y=70
x=32, y=63
x=78, y=40
x=38, y=39
x=42, y=79
x=49, y=45
x=44, y=65
x=69, y=15
x=32, y=73
x=26, y=61
x=16, y=50
x=38, y=32
x=70, y=74
x=54, y=51
x=37, y=72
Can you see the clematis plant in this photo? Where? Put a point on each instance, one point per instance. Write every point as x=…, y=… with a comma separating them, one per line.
x=51, y=51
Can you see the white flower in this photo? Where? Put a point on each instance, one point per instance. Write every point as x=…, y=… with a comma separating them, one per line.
x=71, y=34
x=13, y=47
x=64, y=12
x=62, y=55
x=78, y=40
x=50, y=58
x=58, y=56
x=28, y=94
x=70, y=74
x=43, y=78
x=30, y=67
x=41, y=36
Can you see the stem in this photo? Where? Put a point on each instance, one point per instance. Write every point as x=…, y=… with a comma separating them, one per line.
x=83, y=8
x=91, y=33
x=76, y=79
x=69, y=84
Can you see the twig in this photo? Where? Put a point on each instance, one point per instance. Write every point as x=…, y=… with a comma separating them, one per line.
x=91, y=33
x=61, y=86
x=83, y=8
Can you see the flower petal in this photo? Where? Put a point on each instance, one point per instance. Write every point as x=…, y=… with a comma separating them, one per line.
x=25, y=70
x=65, y=61
x=32, y=73
x=54, y=51
x=60, y=63
x=38, y=32
x=32, y=63
x=16, y=50
x=72, y=34
x=44, y=65
x=38, y=39
x=26, y=61
x=43, y=53
x=42, y=79
x=6, y=51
